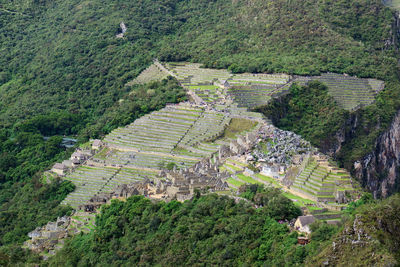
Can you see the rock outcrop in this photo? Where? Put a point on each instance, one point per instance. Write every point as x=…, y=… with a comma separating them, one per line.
x=379, y=171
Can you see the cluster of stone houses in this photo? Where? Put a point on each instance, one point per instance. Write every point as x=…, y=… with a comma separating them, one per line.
x=47, y=237
x=180, y=185
x=124, y=191
x=76, y=159
x=205, y=175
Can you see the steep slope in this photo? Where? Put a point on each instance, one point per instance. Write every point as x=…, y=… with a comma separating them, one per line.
x=369, y=238
x=66, y=51
x=63, y=70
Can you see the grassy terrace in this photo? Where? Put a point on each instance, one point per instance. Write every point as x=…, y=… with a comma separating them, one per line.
x=318, y=182
x=235, y=183
x=237, y=126
x=350, y=92
x=159, y=131
x=233, y=167
x=203, y=87
x=247, y=179
x=193, y=74
x=269, y=180
x=237, y=163
x=250, y=95
x=252, y=90
x=88, y=181
x=152, y=73
x=301, y=202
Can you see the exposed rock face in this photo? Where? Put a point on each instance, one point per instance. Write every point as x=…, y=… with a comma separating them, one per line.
x=370, y=239
x=355, y=238
x=379, y=171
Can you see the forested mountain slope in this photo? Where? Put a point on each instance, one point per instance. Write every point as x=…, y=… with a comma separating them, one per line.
x=64, y=54
x=63, y=71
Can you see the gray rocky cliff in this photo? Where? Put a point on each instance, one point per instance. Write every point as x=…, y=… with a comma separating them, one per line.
x=379, y=171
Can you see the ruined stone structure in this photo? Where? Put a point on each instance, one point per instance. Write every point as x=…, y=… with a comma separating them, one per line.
x=59, y=168
x=121, y=192
x=203, y=175
x=280, y=148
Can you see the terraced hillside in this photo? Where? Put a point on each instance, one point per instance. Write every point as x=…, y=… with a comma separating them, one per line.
x=193, y=74
x=256, y=89
x=88, y=181
x=321, y=182
x=182, y=135
x=152, y=73
x=350, y=93
x=178, y=135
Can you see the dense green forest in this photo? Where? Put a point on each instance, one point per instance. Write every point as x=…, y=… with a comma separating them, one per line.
x=214, y=230
x=63, y=72
x=208, y=230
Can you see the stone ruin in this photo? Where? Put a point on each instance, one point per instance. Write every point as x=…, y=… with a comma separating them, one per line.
x=281, y=149
x=240, y=145
x=46, y=240
x=205, y=175
x=120, y=192
x=48, y=236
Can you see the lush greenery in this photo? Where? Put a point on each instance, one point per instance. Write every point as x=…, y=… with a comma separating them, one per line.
x=379, y=220
x=63, y=72
x=25, y=202
x=209, y=230
x=141, y=100
x=23, y=208
x=309, y=111
x=277, y=206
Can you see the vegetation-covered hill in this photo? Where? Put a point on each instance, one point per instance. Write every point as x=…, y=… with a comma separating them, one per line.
x=210, y=230
x=369, y=237
x=309, y=111
x=63, y=71
x=64, y=54
x=213, y=230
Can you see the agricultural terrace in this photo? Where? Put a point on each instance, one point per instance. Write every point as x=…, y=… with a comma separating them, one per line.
x=313, y=203
x=151, y=74
x=177, y=135
x=321, y=182
x=181, y=135
x=349, y=92
x=193, y=74
x=89, y=181
x=251, y=90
